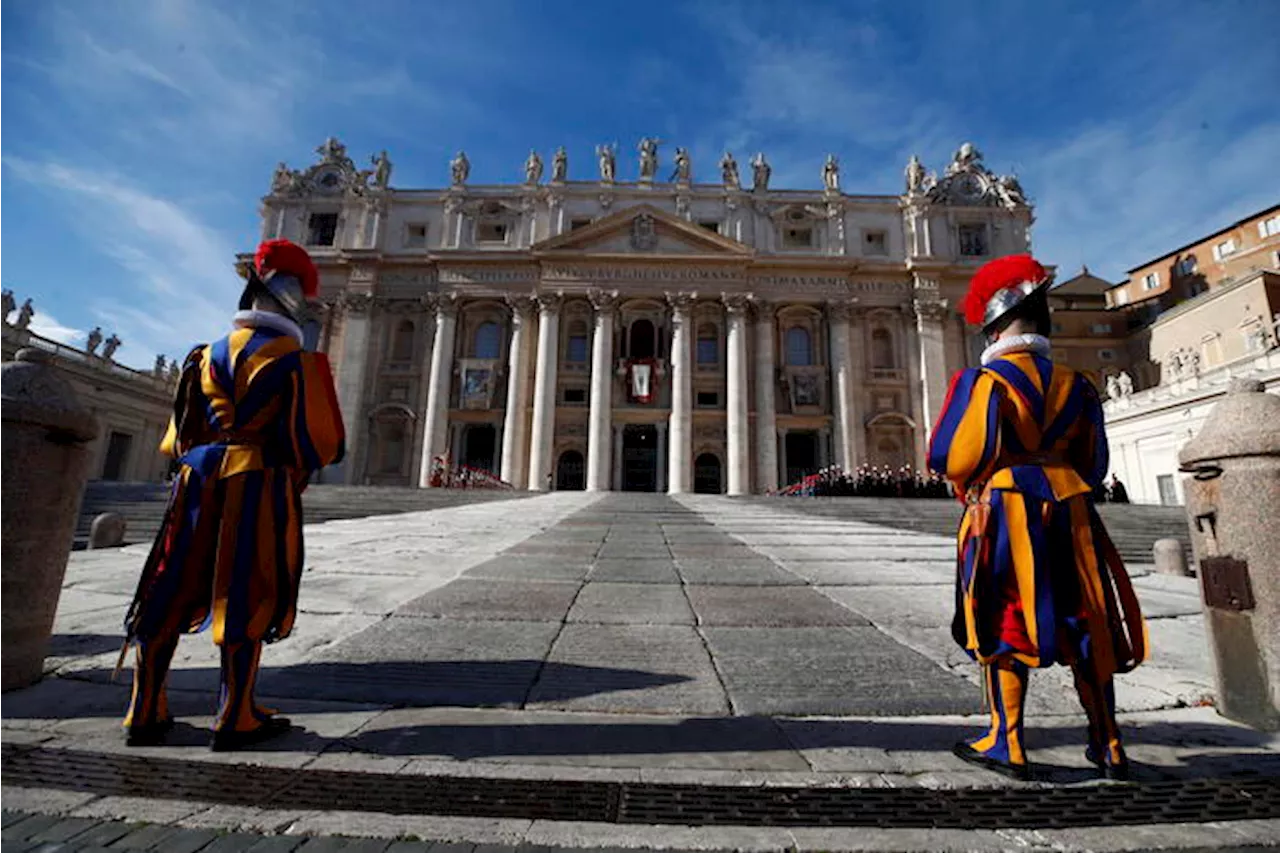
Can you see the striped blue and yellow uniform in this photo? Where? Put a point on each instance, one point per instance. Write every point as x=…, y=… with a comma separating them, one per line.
x=254, y=416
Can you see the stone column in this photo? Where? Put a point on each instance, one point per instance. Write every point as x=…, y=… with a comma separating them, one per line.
x=680, y=448
x=931, y=316
x=736, y=446
x=435, y=424
x=662, y=452
x=858, y=375
x=515, y=443
x=351, y=380
x=842, y=382
x=617, y=458
x=766, y=407
x=542, y=443
x=601, y=417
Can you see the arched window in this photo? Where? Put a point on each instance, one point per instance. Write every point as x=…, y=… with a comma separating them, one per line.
x=487, y=342
x=799, y=347
x=882, y=349
x=643, y=338
x=576, y=347
x=708, y=344
x=402, y=342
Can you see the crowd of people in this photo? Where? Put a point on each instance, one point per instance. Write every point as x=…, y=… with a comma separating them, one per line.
x=871, y=481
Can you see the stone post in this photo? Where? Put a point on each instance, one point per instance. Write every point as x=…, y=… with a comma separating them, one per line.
x=766, y=406
x=542, y=444
x=680, y=446
x=435, y=426
x=46, y=458
x=736, y=444
x=1233, y=501
x=842, y=385
x=601, y=415
x=515, y=443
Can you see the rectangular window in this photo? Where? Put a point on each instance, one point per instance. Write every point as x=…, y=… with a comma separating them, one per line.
x=1224, y=249
x=1269, y=227
x=1151, y=281
x=1122, y=296
x=708, y=351
x=491, y=232
x=711, y=225
x=415, y=236
x=797, y=238
x=575, y=396
x=973, y=240
x=575, y=224
x=875, y=243
x=1107, y=354
x=1168, y=492
x=1187, y=266
x=322, y=229
x=577, y=350
x=1100, y=328
x=708, y=399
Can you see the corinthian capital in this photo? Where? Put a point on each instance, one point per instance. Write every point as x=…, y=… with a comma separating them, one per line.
x=602, y=300
x=357, y=303
x=549, y=303
x=737, y=304
x=447, y=304
x=840, y=310
x=931, y=310
x=681, y=303
x=521, y=305
x=765, y=309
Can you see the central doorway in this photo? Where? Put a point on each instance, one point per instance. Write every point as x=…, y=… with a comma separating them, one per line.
x=801, y=450
x=706, y=474
x=479, y=447
x=640, y=458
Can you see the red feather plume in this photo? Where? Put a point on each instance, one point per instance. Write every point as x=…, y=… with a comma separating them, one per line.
x=287, y=257
x=993, y=277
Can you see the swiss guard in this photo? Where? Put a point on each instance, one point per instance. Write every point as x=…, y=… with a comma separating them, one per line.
x=1038, y=579
x=255, y=415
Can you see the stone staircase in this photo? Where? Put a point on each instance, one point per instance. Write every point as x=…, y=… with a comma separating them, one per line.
x=142, y=504
x=1133, y=527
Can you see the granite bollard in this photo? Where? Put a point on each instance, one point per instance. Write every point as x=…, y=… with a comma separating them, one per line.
x=46, y=455
x=107, y=530
x=1170, y=558
x=1233, y=503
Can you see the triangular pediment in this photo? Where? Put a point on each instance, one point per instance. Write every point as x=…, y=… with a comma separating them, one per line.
x=642, y=230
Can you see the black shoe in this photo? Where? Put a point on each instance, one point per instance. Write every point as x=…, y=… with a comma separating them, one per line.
x=1118, y=772
x=964, y=752
x=229, y=741
x=148, y=734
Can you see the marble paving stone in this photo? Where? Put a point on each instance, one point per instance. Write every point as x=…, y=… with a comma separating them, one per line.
x=752, y=571
x=627, y=550
x=859, y=572
x=654, y=571
x=572, y=549
x=768, y=606
x=904, y=551
x=530, y=569
x=429, y=735
x=468, y=599
x=713, y=552
x=631, y=604
x=664, y=669
x=832, y=671
x=415, y=661
x=898, y=605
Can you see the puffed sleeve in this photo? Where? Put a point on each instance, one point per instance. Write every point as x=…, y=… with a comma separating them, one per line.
x=966, y=439
x=1089, y=451
x=316, y=433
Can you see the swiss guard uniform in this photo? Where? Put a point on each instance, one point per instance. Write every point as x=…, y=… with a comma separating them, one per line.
x=255, y=414
x=1038, y=580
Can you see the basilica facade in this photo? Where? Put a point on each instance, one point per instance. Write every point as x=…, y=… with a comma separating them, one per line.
x=615, y=332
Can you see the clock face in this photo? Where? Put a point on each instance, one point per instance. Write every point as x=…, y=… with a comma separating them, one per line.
x=969, y=187
x=328, y=181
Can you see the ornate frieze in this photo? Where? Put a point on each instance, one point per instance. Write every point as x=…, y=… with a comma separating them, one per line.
x=361, y=273
x=414, y=280
x=487, y=275
x=639, y=274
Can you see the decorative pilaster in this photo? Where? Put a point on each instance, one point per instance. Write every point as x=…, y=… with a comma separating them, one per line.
x=356, y=308
x=680, y=447
x=931, y=312
x=842, y=385
x=435, y=425
x=601, y=417
x=766, y=406
x=515, y=445
x=542, y=443
x=737, y=450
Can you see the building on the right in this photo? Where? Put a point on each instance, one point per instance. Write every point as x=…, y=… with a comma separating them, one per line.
x=1197, y=317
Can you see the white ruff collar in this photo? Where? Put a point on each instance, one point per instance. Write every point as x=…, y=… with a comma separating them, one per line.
x=251, y=319
x=1038, y=344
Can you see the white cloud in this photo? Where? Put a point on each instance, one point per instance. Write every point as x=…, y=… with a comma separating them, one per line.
x=47, y=326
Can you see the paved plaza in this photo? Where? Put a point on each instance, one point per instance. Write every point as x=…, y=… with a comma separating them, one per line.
x=608, y=640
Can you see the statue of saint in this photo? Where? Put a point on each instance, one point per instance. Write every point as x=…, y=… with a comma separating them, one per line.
x=159, y=368
x=831, y=174
x=533, y=168
x=25, y=313
x=332, y=150
x=282, y=179
x=112, y=344
x=648, y=158
x=761, y=171
x=729, y=171
x=1011, y=188
x=684, y=167
x=10, y=304
x=608, y=162
x=460, y=168
x=915, y=175
x=175, y=370
x=95, y=338
x=559, y=166
x=964, y=158
x=381, y=171
x=1113, y=387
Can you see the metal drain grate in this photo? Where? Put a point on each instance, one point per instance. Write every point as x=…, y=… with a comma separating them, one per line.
x=1189, y=801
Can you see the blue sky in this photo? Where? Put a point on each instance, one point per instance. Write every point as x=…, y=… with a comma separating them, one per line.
x=140, y=134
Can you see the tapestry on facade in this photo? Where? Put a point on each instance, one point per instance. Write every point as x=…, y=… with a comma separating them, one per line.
x=477, y=383
x=641, y=384
x=805, y=390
